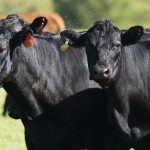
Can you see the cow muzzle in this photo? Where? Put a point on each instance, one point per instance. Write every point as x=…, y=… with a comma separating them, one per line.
x=102, y=72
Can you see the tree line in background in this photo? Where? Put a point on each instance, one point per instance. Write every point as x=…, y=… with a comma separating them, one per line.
x=82, y=13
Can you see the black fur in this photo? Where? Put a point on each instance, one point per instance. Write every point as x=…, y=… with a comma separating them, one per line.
x=130, y=94
x=10, y=107
x=79, y=121
x=12, y=24
x=42, y=76
x=126, y=81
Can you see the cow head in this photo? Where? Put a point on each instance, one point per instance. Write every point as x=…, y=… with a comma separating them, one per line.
x=9, y=39
x=103, y=43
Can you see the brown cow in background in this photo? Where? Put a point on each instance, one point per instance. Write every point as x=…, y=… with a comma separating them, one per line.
x=55, y=21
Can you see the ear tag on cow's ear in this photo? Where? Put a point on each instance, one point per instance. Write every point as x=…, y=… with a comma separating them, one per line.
x=29, y=40
x=65, y=47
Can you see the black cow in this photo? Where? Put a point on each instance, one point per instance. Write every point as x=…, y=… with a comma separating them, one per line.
x=40, y=77
x=124, y=73
x=54, y=73
x=10, y=107
x=79, y=121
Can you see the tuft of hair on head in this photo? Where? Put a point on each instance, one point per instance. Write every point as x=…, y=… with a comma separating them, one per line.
x=13, y=23
x=104, y=26
x=103, y=21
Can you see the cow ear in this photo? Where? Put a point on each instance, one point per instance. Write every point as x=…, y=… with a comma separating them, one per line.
x=28, y=39
x=132, y=35
x=38, y=25
x=75, y=39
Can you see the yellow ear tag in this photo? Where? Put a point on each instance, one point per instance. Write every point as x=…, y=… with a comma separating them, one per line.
x=65, y=47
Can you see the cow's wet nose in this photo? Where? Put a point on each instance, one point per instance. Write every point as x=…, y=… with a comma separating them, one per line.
x=101, y=72
x=106, y=72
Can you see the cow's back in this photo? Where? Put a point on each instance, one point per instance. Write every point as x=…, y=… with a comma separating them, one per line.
x=49, y=75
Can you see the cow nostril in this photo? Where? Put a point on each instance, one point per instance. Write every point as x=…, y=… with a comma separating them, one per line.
x=106, y=72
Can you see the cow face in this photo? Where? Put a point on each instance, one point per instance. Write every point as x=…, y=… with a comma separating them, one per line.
x=4, y=54
x=9, y=40
x=103, y=44
x=7, y=45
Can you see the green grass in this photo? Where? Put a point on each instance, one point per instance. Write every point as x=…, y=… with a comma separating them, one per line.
x=11, y=131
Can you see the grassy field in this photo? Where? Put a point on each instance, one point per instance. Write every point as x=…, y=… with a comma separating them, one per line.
x=11, y=131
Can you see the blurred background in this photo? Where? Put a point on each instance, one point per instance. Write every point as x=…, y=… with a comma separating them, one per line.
x=75, y=14
x=81, y=13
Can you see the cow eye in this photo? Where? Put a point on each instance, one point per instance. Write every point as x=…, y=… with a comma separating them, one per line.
x=2, y=50
x=116, y=46
x=3, y=46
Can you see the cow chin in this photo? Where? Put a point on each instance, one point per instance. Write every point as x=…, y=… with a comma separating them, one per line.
x=106, y=83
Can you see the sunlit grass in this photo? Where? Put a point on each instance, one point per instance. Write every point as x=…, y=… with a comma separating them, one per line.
x=11, y=131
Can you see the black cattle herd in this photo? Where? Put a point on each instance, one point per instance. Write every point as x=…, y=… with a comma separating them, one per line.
x=94, y=96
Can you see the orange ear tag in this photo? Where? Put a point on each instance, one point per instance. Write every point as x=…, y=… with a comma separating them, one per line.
x=29, y=41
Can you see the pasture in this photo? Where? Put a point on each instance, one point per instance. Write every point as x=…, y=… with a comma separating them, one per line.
x=11, y=131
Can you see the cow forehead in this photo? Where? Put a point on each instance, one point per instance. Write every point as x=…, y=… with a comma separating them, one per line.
x=104, y=31
x=113, y=37
x=109, y=38
x=105, y=26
